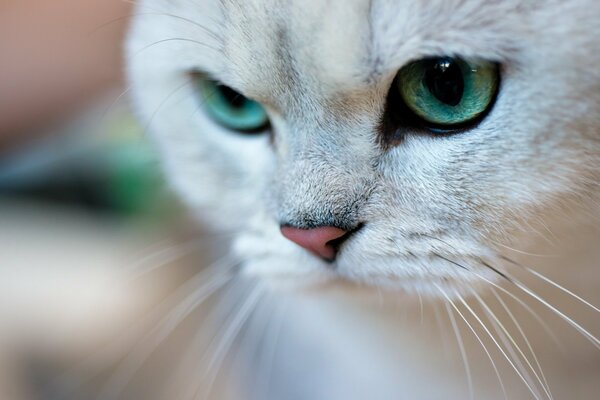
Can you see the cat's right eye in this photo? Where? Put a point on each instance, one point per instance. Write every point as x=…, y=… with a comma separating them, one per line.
x=229, y=108
x=444, y=94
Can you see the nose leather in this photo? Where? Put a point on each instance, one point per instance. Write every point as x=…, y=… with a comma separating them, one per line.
x=316, y=240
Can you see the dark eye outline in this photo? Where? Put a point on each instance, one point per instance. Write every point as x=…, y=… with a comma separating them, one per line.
x=398, y=117
x=199, y=79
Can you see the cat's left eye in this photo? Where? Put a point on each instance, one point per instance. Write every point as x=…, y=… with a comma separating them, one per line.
x=229, y=108
x=447, y=93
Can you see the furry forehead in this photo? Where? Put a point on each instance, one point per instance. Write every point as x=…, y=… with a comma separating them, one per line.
x=349, y=41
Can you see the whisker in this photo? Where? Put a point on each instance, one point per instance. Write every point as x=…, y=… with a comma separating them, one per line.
x=522, y=251
x=271, y=352
x=230, y=334
x=175, y=39
x=256, y=335
x=420, y=308
x=504, y=336
x=159, y=259
x=476, y=336
x=451, y=261
x=113, y=21
x=165, y=255
x=163, y=103
x=514, y=297
x=158, y=11
x=553, y=283
x=159, y=333
x=104, y=115
x=510, y=361
x=534, y=295
x=194, y=358
x=522, y=333
x=438, y=321
x=529, y=309
x=461, y=347
x=211, y=33
x=554, y=239
x=496, y=270
x=380, y=297
x=567, y=319
x=85, y=370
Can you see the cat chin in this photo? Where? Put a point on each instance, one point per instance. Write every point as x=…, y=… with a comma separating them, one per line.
x=431, y=277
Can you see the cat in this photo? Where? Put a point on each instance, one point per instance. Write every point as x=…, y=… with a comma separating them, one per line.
x=443, y=153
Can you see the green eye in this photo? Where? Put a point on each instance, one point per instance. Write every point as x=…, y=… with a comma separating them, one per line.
x=447, y=93
x=231, y=109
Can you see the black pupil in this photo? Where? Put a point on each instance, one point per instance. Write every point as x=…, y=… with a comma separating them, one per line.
x=235, y=99
x=445, y=81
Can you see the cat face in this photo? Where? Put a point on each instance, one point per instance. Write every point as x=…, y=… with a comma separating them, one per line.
x=336, y=153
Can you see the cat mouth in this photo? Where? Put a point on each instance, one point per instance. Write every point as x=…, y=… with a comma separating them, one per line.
x=337, y=244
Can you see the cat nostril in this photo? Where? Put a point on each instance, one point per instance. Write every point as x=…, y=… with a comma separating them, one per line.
x=321, y=241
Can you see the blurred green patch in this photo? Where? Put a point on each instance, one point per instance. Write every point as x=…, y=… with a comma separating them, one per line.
x=104, y=164
x=135, y=184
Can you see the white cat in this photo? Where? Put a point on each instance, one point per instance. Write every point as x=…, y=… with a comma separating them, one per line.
x=426, y=149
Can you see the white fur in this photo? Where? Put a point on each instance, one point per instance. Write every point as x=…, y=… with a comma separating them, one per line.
x=463, y=189
x=323, y=70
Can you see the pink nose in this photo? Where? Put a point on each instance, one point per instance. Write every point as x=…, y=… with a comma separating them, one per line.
x=316, y=240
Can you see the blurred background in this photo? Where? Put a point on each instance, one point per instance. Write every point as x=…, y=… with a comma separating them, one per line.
x=83, y=207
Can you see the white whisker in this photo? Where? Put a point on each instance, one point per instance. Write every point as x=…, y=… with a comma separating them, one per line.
x=160, y=12
x=543, y=323
x=163, y=103
x=175, y=39
x=267, y=361
x=116, y=349
x=461, y=347
x=511, y=344
x=162, y=330
x=567, y=319
x=420, y=308
x=195, y=357
x=556, y=285
x=514, y=297
x=438, y=320
x=478, y=339
x=158, y=260
x=522, y=251
x=522, y=333
x=230, y=334
x=510, y=361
